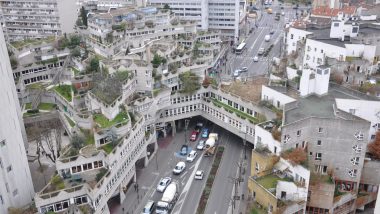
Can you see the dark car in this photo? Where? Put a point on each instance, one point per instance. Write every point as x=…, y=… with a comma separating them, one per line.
x=184, y=150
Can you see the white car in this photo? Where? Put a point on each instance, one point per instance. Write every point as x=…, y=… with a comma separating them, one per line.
x=201, y=145
x=244, y=69
x=199, y=175
x=163, y=184
x=191, y=156
x=236, y=73
x=255, y=59
x=179, y=168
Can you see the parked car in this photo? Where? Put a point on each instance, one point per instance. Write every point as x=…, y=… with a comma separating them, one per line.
x=205, y=133
x=236, y=73
x=199, y=175
x=164, y=182
x=178, y=169
x=183, y=150
x=282, y=13
x=193, y=136
x=149, y=207
x=198, y=126
x=256, y=59
x=191, y=156
x=267, y=38
x=271, y=31
x=201, y=145
x=261, y=51
x=244, y=69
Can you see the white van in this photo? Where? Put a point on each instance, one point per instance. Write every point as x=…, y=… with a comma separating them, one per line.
x=267, y=38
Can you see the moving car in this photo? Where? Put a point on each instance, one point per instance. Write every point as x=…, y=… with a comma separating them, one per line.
x=193, y=136
x=178, y=169
x=261, y=51
x=236, y=73
x=267, y=38
x=256, y=59
x=204, y=133
x=282, y=13
x=271, y=31
x=191, y=156
x=244, y=69
x=163, y=184
x=199, y=175
x=201, y=145
x=149, y=207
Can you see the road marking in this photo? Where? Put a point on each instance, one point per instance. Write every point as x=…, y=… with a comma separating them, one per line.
x=187, y=186
x=151, y=195
x=183, y=174
x=192, y=166
x=155, y=173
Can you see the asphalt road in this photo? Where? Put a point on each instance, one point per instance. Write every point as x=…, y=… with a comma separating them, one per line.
x=255, y=40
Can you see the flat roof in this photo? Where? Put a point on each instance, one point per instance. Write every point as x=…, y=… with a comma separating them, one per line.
x=323, y=106
x=249, y=90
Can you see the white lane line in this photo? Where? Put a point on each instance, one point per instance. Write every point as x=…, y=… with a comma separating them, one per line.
x=187, y=186
x=183, y=174
x=151, y=195
x=192, y=166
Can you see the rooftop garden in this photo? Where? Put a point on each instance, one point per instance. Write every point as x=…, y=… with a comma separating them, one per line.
x=56, y=183
x=109, y=88
x=71, y=122
x=296, y=157
x=319, y=178
x=270, y=181
x=238, y=113
x=65, y=91
x=189, y=82
x=46, y=106
x=25, y=42
x=103, y=122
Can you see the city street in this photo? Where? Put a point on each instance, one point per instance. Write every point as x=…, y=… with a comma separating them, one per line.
x=190, y=189
x=255, y=40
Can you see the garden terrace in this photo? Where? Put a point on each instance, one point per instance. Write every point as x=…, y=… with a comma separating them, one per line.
x=238, y=113
x=269, y=182
x=271, y=125
x=65, y=91
x=120, y=119
x=20, y=44
x=249, y=90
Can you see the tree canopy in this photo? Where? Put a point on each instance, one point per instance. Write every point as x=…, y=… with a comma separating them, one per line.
x=189, y=82
x=374, y=147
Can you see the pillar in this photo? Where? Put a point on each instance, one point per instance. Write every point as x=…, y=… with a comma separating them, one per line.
x=174, y=128
x=146, y=161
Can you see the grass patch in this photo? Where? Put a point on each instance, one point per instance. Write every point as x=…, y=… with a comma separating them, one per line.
x=239, y=113
x=64, y=91
x=46, y=106
x=109, y=147
x=103, y=122
x=28, y=106
x=37, y=85
x=210, y=180
x=270, y=181
x=57, y=183
x=22, y=43
x=75, y=70
x=71, y=122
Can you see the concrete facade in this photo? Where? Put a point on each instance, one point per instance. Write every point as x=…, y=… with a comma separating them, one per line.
x=16, y=187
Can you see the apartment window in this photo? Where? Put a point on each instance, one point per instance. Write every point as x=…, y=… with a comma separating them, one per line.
x=357, y=148
x=303, y=144
x=275, y=150
x=9, y=168
x=376, y=126
x=352, y=173
x=1, y=199
x=319, y=142
x=321, y=51
x=336, y=24
x=355, y=161
x=299, y=133
x=2, y=143
x=15, y=192
x=296, y=145
x=318, y=156
x=359, y=135
x=258, y=139
x=311, y=153
x=291, y=36
x=320, y=130
x=286, y=138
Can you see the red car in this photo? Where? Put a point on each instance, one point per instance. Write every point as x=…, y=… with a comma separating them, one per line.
x=193, y=136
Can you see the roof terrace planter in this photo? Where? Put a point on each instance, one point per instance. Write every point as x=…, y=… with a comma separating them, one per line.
x=238, y=113
x=64, y=91
x=120, y=120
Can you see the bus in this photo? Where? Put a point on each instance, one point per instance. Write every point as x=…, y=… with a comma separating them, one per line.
x=240, y=48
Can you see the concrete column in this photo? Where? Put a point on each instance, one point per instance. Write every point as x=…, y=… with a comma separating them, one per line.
x=174, y=129
x=134, y=177
x=164, y=131
x=146, y=161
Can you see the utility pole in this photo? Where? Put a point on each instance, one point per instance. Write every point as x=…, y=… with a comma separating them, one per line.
x=186, y=125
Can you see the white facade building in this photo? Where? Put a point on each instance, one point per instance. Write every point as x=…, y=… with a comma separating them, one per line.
x=29, y=19
x=16, y=187
x=209, y=14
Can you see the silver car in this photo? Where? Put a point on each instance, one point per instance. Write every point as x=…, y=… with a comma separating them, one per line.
x=163, y=184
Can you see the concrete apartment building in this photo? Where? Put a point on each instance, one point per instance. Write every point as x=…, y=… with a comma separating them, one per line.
x=29, y=19
x=318, y=120
x=224, y=16
x=16, y=187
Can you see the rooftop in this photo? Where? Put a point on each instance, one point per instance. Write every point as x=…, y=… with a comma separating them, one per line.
x=326, y=11
x=323, y=106
x=249, y=90
x=269, y=182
